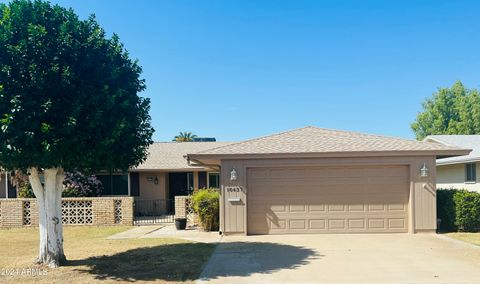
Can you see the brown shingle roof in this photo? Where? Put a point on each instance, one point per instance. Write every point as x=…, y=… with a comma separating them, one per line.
x=170, y=155
x=318, y=140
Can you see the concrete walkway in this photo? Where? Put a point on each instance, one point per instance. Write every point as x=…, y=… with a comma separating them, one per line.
x=189, y=234
x=369, y=258
x=135, y=233
x=168, y=231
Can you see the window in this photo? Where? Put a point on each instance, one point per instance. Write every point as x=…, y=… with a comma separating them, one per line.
x=470, y=172
x=213, y=180
x=190, y=183
x=116, y=184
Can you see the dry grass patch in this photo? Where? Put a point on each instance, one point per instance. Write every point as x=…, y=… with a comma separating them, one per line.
x=473, y=238
x=91, y=257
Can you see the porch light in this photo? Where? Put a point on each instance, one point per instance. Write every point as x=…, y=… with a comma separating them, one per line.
x=424, y=171
x=233, y=175
x=155, y=181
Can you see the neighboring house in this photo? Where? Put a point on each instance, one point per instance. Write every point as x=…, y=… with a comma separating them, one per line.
x=460, y=172
x=314, y=180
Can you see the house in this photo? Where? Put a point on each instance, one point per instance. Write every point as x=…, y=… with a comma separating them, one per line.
x=460, y=172
x=314, y=180
x=162, y=176
x=166, y=173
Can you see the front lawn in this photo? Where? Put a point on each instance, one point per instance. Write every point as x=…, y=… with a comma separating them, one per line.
x=473, y=238
x=91, y=257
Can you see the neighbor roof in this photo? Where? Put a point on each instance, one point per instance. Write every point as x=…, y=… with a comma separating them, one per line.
x=170, y=155
x=462, y=141
x=321, y=141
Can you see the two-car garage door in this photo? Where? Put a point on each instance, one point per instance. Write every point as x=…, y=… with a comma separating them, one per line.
x=364, y=199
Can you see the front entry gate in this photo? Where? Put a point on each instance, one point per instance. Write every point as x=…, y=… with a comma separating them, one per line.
x=154, y=211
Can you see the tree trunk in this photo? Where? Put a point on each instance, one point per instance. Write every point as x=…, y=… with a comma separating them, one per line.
x=49, y=203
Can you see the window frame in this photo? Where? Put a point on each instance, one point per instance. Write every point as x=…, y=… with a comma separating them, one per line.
x=208, y=179
x=471, y=168
x=110, y=190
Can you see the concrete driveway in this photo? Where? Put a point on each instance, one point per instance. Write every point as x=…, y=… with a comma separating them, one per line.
x=388, y=258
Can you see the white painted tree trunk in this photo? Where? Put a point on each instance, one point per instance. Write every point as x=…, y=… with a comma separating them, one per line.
x=49, y=203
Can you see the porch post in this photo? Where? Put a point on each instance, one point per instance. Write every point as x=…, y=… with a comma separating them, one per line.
x=6, y=184
x=128, y=180
x=195, y=181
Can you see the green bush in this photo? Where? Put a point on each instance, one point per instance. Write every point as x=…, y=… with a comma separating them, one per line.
x=458, y=210
x=446, y=209
x=25, y=191
x=467, y=210
x=206, y=203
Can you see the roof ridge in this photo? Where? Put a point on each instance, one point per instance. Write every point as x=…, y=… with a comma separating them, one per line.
x=190, y=142
x=366, y=134
x=256, y=138
x=315, y=128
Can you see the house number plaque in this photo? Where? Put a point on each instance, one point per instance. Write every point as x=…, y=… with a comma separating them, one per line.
x=233, y=189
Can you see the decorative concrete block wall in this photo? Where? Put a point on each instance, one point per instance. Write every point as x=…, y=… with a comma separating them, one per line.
x=184, y=209
x=96, y=211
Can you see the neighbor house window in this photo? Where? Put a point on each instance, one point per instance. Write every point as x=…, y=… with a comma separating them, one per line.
x=213, y=180
x=471, y=172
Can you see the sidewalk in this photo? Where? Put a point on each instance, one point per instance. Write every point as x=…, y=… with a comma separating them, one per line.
x=168, y=231
x=135, y=233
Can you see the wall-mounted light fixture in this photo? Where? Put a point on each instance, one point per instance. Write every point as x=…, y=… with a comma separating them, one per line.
x=155, y=181
x=424, y=170
x=233, y=175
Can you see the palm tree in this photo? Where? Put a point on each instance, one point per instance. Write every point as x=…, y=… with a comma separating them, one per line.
x=184, y=137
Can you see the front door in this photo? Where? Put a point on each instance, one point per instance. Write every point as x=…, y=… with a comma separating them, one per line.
x=180, y=184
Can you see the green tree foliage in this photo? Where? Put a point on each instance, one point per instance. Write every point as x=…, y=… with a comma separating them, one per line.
x=454, y=110
x=184, y=137
x=68, y=94
x=68, y=101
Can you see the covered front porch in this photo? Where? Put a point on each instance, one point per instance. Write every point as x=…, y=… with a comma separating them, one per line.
x=155, y=192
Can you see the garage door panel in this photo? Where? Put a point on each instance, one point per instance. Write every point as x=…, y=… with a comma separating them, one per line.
x=324, y=200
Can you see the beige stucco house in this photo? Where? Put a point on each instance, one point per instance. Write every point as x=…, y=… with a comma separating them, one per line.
x=167, y=173
x=154, y=183
x=314, y=180
x=460, y=172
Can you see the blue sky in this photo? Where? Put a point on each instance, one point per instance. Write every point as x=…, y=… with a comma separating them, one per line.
x=240, y=69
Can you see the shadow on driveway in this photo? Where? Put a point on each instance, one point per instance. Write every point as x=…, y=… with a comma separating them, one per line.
x=246, y=258
x=185, y=261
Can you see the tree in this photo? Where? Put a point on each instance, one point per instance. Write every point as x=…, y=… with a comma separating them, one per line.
x=68, y=101
x=185, y=137
x=454, y=110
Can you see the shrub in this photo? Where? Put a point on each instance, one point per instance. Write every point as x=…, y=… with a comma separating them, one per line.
x=467, y=210
x=20, y=181
x=446, y=209
x=458, y=210
x=25, y=191
x=77, y=184
x=206, y=203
